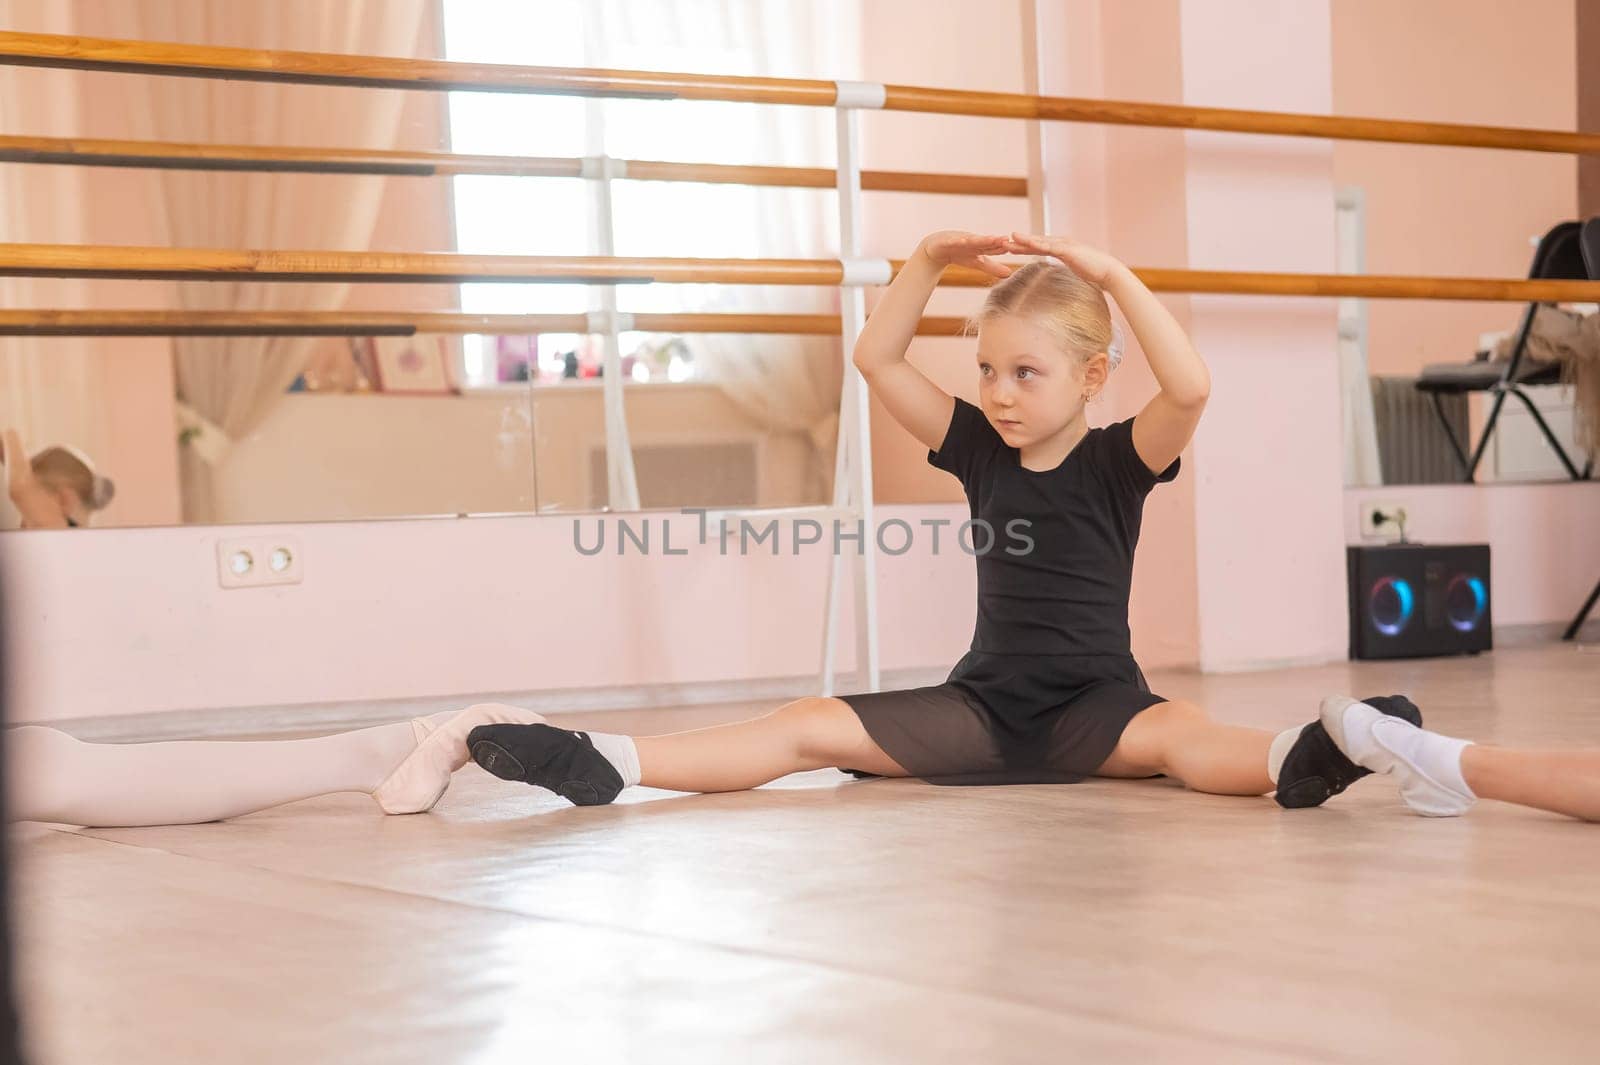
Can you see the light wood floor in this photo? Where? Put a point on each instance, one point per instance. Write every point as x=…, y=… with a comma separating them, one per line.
x=826, y=920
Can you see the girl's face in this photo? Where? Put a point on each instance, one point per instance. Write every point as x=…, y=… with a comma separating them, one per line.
x=1029, y=388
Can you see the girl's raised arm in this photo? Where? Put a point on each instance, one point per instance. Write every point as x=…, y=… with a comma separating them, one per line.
x=915, y=402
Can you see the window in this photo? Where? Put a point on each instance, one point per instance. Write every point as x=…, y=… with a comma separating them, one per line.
x=560, y=216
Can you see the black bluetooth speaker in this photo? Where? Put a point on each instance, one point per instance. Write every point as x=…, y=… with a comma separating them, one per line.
x=1419, y=600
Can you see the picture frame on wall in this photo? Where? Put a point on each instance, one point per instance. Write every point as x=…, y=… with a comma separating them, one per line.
x=417, y=365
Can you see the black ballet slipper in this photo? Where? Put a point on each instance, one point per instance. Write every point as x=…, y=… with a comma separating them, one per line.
x=1315, y=770
x=556, y=758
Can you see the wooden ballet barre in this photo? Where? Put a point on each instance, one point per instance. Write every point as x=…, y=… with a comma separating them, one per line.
x=226, y=264
x=128, y=323
x=322, y=68
x=164, y=155
x=1368, y=286
x=230, y=264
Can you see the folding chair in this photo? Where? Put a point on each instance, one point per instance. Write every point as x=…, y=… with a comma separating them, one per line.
x=1558, y=257
x=1589, y=242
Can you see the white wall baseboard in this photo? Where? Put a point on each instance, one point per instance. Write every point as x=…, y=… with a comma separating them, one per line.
x=329, y=717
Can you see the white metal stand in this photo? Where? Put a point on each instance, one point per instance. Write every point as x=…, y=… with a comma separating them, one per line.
x=852, y=485
x=622, y=485
x=852, y=506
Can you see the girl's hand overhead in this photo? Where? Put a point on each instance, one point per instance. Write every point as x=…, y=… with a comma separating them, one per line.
x=1087, y=262
x=954, y=247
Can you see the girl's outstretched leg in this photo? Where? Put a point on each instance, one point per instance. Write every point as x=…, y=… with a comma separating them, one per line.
x=1179, y=739
x=591, y=769
x=811, y=733
x=1442, y=776
x=1302, y=767
x=1564, y=782
x=54, y=777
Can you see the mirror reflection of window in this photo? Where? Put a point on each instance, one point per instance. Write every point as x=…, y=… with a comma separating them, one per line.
x=756, y=421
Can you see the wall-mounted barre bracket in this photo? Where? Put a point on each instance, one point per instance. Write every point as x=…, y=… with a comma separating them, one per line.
x=861, y=95
x=603, y=168
x=866, y=271
x=608, y=323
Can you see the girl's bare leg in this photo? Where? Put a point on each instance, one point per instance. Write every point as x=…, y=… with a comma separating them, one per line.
x=811, y=733
x=1179, y=739
x=1563, y=782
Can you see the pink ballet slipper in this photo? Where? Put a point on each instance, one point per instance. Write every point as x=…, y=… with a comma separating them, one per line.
x=418, y=782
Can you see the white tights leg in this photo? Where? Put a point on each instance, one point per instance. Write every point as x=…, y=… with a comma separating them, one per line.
x=53, y=777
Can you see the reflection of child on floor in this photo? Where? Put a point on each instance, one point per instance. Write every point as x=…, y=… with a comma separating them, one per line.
x=57, y=489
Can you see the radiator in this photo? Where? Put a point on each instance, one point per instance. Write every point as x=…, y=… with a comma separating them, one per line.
x=1412, y=448
x=712, y=474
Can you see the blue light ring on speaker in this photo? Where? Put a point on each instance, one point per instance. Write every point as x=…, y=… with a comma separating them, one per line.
x=1480, y=602
x=1387, y=620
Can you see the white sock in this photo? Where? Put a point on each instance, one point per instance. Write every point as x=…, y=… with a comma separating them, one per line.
x=621, y=753
x=1436, y=755
x=1280, y=750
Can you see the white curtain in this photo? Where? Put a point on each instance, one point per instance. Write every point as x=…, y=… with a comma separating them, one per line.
x=784, y=383
x=227, y=386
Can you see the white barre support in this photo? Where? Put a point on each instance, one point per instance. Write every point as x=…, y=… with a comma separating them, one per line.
x=622, y=485
x=1034, y=33
x=607, y=322
x=1361, y=459
x=854, y=95
x=852, y=469
x=866, y=272
x=602, y=168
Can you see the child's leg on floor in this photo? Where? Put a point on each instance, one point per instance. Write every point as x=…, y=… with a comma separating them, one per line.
x=591, y=768
x=1443, y=776
x=1180, y=739
x=811, y=733
x=52, y=776
x=1563, y=782
x=406, y=766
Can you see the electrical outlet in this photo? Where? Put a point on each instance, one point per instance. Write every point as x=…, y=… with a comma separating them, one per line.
x=1382, y=520
x=257, y=561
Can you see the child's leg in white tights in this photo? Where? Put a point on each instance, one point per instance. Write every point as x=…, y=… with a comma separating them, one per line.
x=53, y=777
x=405, y=767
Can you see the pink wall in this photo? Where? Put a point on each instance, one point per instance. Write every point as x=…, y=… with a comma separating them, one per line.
x=1124, y=188
x=1453, y=211
x=131, y=620
x=1269, y=454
